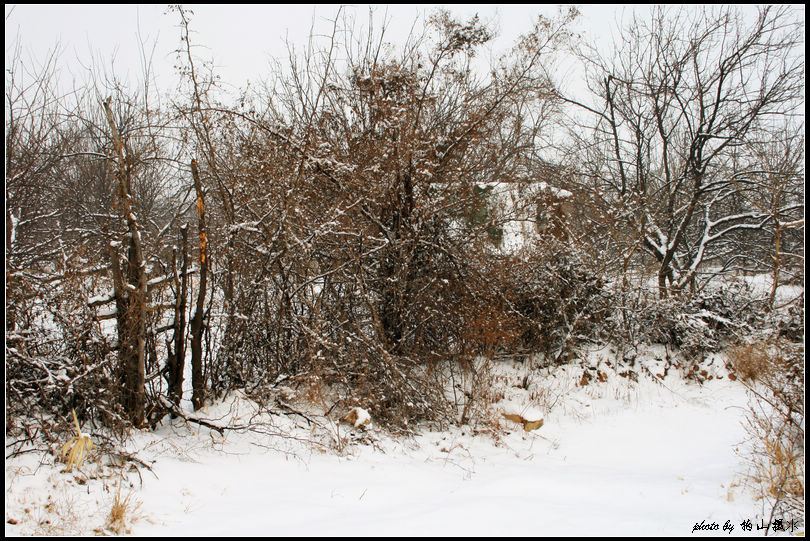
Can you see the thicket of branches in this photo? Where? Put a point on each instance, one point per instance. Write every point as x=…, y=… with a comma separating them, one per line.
x=335, y=229
x=691, y=146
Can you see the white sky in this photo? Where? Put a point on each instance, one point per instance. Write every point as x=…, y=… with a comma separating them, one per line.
x=241, y=39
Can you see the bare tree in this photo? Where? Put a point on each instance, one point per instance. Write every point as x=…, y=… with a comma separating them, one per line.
x=343, y=206
x=197, y=319
x=36, y=140
x=774, y=185
x=176, y=348
x=92, y=199
x=682, y=92
x=130, y=293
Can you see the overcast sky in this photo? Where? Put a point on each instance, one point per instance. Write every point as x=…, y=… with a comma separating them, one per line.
x=241, y=39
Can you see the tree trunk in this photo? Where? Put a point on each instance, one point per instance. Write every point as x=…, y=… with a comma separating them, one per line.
x=177, y=357
x=197, y=379
x=132, y=296
x=777, y=264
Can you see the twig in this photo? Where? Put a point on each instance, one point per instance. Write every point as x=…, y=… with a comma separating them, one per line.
x=294, y=411
x=175, y=410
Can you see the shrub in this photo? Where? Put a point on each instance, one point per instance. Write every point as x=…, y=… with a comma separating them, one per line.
x=54, y=367
x=694, y=326
x=774, y=374
x=557, y=303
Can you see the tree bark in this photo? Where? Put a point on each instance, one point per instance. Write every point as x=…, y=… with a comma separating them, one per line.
x=177, y=356
x=197, y=379
x=130, y=297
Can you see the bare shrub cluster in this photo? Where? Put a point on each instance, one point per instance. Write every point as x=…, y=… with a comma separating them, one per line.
x=364, y=249
x=557, y=303
x=774, y=373
x=695, y=327
x=329, y=227
x=336, y=225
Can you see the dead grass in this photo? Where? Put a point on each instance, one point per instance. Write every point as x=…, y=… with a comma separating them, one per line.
x=122, y=513
x=778, y=461
x=58, y=516
x=751, y=362
x=774, y=374
x=784, y=470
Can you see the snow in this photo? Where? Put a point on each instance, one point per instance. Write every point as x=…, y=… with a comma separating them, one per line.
x=358, y=417
x=559, y=193
x=515, y=207
x=99, y=299
x=614, y=457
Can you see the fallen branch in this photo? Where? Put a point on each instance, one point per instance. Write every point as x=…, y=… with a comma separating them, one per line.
x=176, y=411
x=292, y=411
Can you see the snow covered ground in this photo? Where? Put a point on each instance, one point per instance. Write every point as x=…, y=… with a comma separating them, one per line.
x=613, y=457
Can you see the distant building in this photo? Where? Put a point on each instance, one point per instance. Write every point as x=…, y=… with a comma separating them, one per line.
x=524, y=212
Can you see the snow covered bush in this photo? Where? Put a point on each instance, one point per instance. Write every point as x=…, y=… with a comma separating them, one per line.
x=52, y=369
x=692, y=326
x=675, y=323
x=352, y=247
x=790, y=321
x=556, y=302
